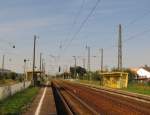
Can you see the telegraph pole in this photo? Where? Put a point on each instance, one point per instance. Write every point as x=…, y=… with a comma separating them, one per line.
x=40, y=64
x=102, y=60
x=25, y=71
x=89, y=65
x=120, y=49
x=83, y=62
x=33, y=75
x=3, y=63
x=43, y=66
x=75, y=65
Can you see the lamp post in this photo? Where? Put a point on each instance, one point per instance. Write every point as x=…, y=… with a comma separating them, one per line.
x=25, y=64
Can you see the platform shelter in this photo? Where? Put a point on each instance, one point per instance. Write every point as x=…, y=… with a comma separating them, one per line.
x=114, y=79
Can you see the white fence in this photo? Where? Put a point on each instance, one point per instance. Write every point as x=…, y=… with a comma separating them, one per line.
x=6, y=91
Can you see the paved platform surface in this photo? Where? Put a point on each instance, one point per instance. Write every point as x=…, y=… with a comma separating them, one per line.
x=43, y=104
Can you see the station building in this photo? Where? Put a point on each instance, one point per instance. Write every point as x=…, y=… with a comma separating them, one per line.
x=142, y=74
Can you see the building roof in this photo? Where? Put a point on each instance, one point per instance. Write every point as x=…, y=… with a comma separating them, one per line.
x=114, y=74
x=143, y=73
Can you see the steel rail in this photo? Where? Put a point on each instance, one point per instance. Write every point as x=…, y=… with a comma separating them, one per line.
x=73, y=110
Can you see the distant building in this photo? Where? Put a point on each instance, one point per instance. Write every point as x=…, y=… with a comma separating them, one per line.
x=143, y=73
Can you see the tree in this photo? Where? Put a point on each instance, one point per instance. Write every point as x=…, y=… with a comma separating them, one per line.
x=131, y=75
x=79, y=71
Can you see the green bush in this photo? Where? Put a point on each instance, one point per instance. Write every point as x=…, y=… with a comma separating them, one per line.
x=131, y=74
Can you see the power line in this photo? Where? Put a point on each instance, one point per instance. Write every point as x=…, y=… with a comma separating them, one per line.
x=82, y=24
x=133, y=22
x=138, y=18
x=72, y=26
x=74, y=22
x=135, y=36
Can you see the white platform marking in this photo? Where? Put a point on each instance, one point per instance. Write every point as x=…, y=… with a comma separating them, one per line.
x=41, y=102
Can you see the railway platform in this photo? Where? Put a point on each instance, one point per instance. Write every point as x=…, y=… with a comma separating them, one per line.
x=43, y=104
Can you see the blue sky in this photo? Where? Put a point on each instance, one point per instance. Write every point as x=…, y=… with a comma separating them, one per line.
x=52, y=21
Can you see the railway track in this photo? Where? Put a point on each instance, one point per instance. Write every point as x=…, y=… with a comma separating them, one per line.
x=71, y=104
x=121, y=92
x=104, y=101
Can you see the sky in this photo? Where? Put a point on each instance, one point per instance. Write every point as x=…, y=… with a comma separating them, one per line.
x=56, y=22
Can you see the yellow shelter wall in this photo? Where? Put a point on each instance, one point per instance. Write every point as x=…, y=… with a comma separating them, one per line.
x=116, y=81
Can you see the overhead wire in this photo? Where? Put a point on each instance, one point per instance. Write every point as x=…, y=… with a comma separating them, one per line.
x=91, y=12
x=62, y=44
x=138, y=18
x=82, y=25
x=74, y=21
x=137, y=34
x=133, y=22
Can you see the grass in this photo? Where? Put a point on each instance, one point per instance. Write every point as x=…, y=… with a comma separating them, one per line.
x=138, y=88
x=14, y=104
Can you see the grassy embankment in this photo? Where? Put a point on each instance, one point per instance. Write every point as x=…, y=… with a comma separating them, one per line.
x=135, y=88
x=138, y=88
x=14, y=104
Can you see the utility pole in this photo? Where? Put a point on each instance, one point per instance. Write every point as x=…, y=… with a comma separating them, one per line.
x=75, y=65
x=24, y=71
x=40, y=64
x=3, y=63
x=33, y=75
x=102, y=59
x=120, y=49
x=83, y=62
x=43, y=66
x=89, y=63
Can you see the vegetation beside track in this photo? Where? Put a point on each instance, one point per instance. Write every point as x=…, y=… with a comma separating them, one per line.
x=14, y=104
x=138, y=88
x=132, y=87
